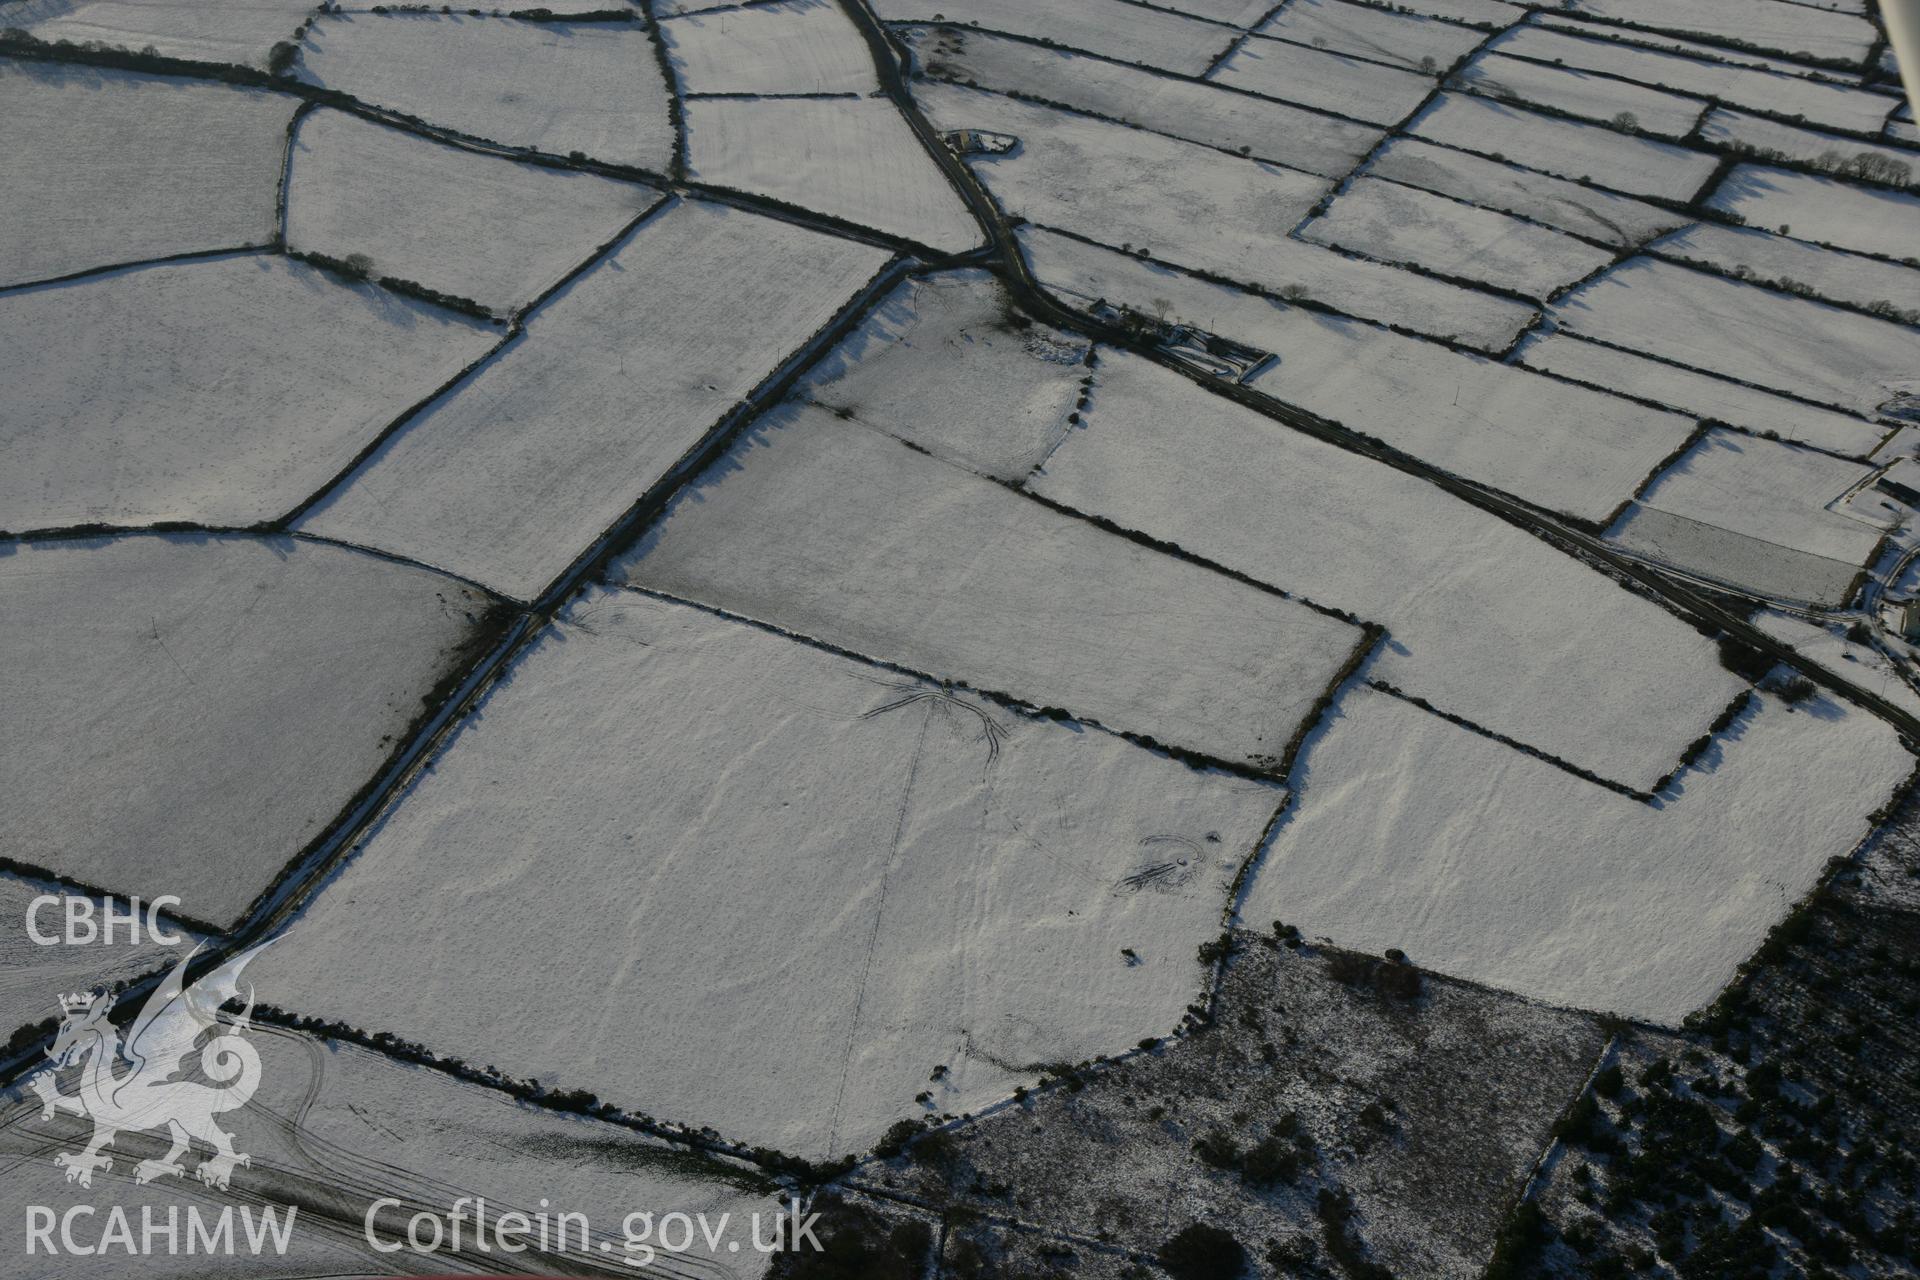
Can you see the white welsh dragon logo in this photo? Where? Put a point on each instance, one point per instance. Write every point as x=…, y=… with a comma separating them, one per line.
x=150, y=1093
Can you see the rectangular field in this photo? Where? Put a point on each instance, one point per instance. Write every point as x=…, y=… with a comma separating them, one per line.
x=1774, y=498
x=1598, y=215
x=830, y=529
x=1792, y=264
x=1820, y=102
x=1700, y=395
x=510, y=476
x=930, y=880
x=1579, y=93
x=555, y=88
x=1393, y=223
x=1744, y=134
x=784, y=48
x=226, y=391
x=1004, y=385
x=1475, y=609
x=159, y=166
x=1839, y=358
x=128, y=688
x=1413, y=41
x=1194, y=110
x=1328, y=81
x=1411, y=832
x=1824, y=211
x=1636, y=166
x=194, y=30
x=474, y=226
x=1794, y=30
x=862, y=163
x=1111, y=28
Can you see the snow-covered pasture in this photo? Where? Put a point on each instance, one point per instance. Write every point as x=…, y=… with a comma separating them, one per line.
x=1824, y=210
x=1379, y=35
x=1744, y=332
x=106, y=167
x=1567, y=148
x=1401, y=224
x=1740, y=132
x=1819, y=102
x=830, y=529
x=1202, y=210
x=1795, y=265
x=1565, y=447
x=1475, y=609
x=1700, y=395
x=1350, y=87
x=1580, y=93
x=797, y=46
x=513, y=474
x=554, y=88
x=196, y=30
x=1483, y=863
x=1769, y=26
x=494, y=231
x=224, y=391
x=1194, y=110
x=856, y=160
x=948, y=363
x=1149, y=37
x=189, y=711
x=1775, y=498
x=1616, y=220
x=831, y=879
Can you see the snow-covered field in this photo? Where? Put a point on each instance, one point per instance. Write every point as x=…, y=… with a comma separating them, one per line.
x=827, y=528
x=1794, y=538
x=1411, y=832
x=1567, y=148
x=1741, y=131
x=155, y=753
x=493, y=231
x=336, y=1127
x=844, y=876
x=1616, y=220
x=1765, y=25
x=1005, y=386
x=793, y=47
x=196, y=30
x=1370, y=290
x=1474, y=609
x=1410, y=40
x=1393, y=223
x=514, y=473
x=1824, y=211
x=1793, y=264
x=208, y=391
x=853, y=160
x=736, y=582
x=1351, y=87
x=554, y=88
x=161, y=166
x=1196, y=111
x=1818, y=102
x=1701, y=395
x=1562, y=446
x=1579, y=93
x=1741, y=331
x=1115, y=29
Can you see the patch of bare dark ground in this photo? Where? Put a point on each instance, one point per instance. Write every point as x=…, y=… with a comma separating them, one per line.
x=1778, y=1136
x=1342, y=1116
